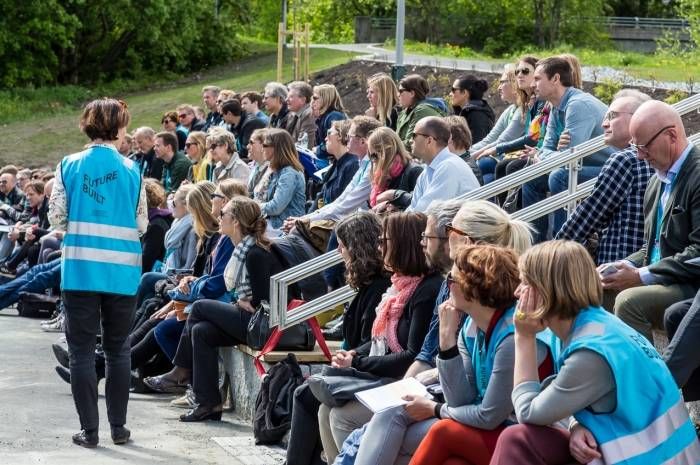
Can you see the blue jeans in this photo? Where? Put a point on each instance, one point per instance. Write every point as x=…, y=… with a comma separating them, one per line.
x=167, y=334
x=37, y=279
x=487, y=165
x=559, y=182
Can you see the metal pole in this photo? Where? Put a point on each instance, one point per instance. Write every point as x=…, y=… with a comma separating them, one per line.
x=574, y=168
x=398, y=70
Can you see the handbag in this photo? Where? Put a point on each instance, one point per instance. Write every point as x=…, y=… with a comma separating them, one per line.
x=302, y=336
x=335, y=386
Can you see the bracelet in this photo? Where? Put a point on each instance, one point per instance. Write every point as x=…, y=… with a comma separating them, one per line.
x=437, y=409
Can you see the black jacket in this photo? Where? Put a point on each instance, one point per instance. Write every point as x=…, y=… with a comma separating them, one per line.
x=243, y=131
x=359, y=317
x=281, y=119
x=404, y=185
x=480, y=118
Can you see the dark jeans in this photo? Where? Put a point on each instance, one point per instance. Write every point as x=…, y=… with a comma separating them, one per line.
x=167, y=334
x=210, y=325
x=335, y=275
x=37, y=279
x=304, y=447
x=143, y=343
x=85, y=311
x=682, y=322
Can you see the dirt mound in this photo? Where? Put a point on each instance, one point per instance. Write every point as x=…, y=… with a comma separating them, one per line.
x=351, y=81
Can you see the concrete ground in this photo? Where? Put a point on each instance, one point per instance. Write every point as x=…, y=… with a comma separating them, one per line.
x=37, y=414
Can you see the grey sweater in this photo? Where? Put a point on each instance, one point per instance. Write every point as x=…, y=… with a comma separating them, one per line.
x=510, y=126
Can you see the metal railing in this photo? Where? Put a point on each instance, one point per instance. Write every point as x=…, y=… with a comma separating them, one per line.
x=280, y=282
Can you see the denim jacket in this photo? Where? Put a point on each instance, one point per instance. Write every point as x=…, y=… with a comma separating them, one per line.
x=285, y=196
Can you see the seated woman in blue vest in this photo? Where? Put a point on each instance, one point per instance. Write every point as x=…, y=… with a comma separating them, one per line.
x=475, y=367
x=212, y=324
x=625, y=404
x=286, y=192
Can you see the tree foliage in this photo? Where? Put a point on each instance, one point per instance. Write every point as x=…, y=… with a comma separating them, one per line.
x=82, y=41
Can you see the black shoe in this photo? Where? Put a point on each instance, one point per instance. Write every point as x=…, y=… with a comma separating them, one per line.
x=61, y=355
x=201, y=413
x=64, y=373
x=86, y=438
x=120, y=435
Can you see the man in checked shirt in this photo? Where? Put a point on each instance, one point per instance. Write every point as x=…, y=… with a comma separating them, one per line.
x=614, y=210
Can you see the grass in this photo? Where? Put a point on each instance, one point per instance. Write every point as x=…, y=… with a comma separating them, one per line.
x=662, y=66
x=43, y=140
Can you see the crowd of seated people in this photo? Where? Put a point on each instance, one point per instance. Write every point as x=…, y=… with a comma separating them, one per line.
x=538, y=346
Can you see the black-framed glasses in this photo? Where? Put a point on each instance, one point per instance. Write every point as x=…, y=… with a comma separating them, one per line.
x=644, y=148
x=424, y=236
x=214, y=195
x=413, y=136
x=523, y=71
x=611, y=114
x=449, y=229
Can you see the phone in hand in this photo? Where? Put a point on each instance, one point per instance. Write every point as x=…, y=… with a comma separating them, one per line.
x=608, y=270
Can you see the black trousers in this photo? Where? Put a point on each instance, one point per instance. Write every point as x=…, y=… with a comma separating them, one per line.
x=210, y=325
x=304, y=447
x=682, y=322
x=85, y=313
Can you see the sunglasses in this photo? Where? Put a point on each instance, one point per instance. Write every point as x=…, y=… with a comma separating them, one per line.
x=190, y=144
x=182, y=116
x=449, y=229
x=456, y=89
x=217, y=196
x=523, y=71
x=212, y=146
x=415, y=134
x=402, y=90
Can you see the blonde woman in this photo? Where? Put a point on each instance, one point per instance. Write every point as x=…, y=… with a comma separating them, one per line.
x=327, y=107
x=260, y=175
x=221, y=145
x=392, y=168
x=626, y=405
x=383, y=96
x=196, y=151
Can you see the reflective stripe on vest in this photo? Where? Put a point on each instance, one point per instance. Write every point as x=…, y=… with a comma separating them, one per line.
x=102, y=256
x=650, y=424
x=102, y=230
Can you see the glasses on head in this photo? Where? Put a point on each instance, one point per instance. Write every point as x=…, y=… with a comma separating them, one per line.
x=450, y=279
x=449, y=229
x=523, y=71
x=611, y=114
x=212, y=146
x=644, y=148
x=216, y=195
x=424, y=236
x=415, y=134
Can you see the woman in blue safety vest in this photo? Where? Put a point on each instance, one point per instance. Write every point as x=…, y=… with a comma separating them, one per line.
x=99, y=200
x=625, y=405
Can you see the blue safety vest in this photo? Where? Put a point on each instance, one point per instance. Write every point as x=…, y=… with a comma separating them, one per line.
x=101, y=248
x=482, y=357
x=650, y=423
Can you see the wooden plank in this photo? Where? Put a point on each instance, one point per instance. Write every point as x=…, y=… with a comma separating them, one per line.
x=305, y=356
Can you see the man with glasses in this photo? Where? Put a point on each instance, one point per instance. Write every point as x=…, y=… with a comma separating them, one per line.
x=665, y=270
x=614, y=210
x=188, y=118
x=445, y=176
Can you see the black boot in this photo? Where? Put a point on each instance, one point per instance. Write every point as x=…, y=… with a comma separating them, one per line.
x=120, y=434
x=64, y=373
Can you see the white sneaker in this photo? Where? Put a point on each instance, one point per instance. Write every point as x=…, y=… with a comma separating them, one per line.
x=56, y=327
x=186, y=401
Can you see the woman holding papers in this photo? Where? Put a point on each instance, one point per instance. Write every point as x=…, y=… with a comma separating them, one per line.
x=625, y=404
x=475, y=365
x=401, y=323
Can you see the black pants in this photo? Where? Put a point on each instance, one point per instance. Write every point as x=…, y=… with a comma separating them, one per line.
x=210, y=325
x=682, y=322
x=85, y=312
x=304, y=447
x=28, y=250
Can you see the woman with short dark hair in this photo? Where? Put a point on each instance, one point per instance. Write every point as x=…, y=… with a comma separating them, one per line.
x=413, y=90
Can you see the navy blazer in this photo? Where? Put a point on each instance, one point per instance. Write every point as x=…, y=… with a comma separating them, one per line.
x=338, y=177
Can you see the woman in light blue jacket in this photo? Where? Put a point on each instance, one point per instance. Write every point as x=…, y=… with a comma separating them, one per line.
x=286, y=192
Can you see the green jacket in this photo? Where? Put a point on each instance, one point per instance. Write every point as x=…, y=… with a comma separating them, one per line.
x=408, y=118
x=175, y=172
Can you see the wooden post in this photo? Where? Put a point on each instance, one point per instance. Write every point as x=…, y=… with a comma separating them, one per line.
x=281, y=39
x=297, y=52
x=307, y=37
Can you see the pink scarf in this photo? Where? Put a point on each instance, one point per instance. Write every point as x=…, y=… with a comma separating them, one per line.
x=378, y=187
x=391, y=308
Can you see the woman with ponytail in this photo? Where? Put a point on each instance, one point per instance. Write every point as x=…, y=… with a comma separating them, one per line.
x=212, y=324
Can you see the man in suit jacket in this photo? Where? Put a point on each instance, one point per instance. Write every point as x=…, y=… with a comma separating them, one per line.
x=664, y=271
x=301, y=120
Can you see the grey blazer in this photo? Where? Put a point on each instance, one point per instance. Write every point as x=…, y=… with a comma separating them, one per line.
x=680, y=226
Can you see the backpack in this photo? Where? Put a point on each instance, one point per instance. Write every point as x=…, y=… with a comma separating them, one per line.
x=438, y=104
x=273, y=406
